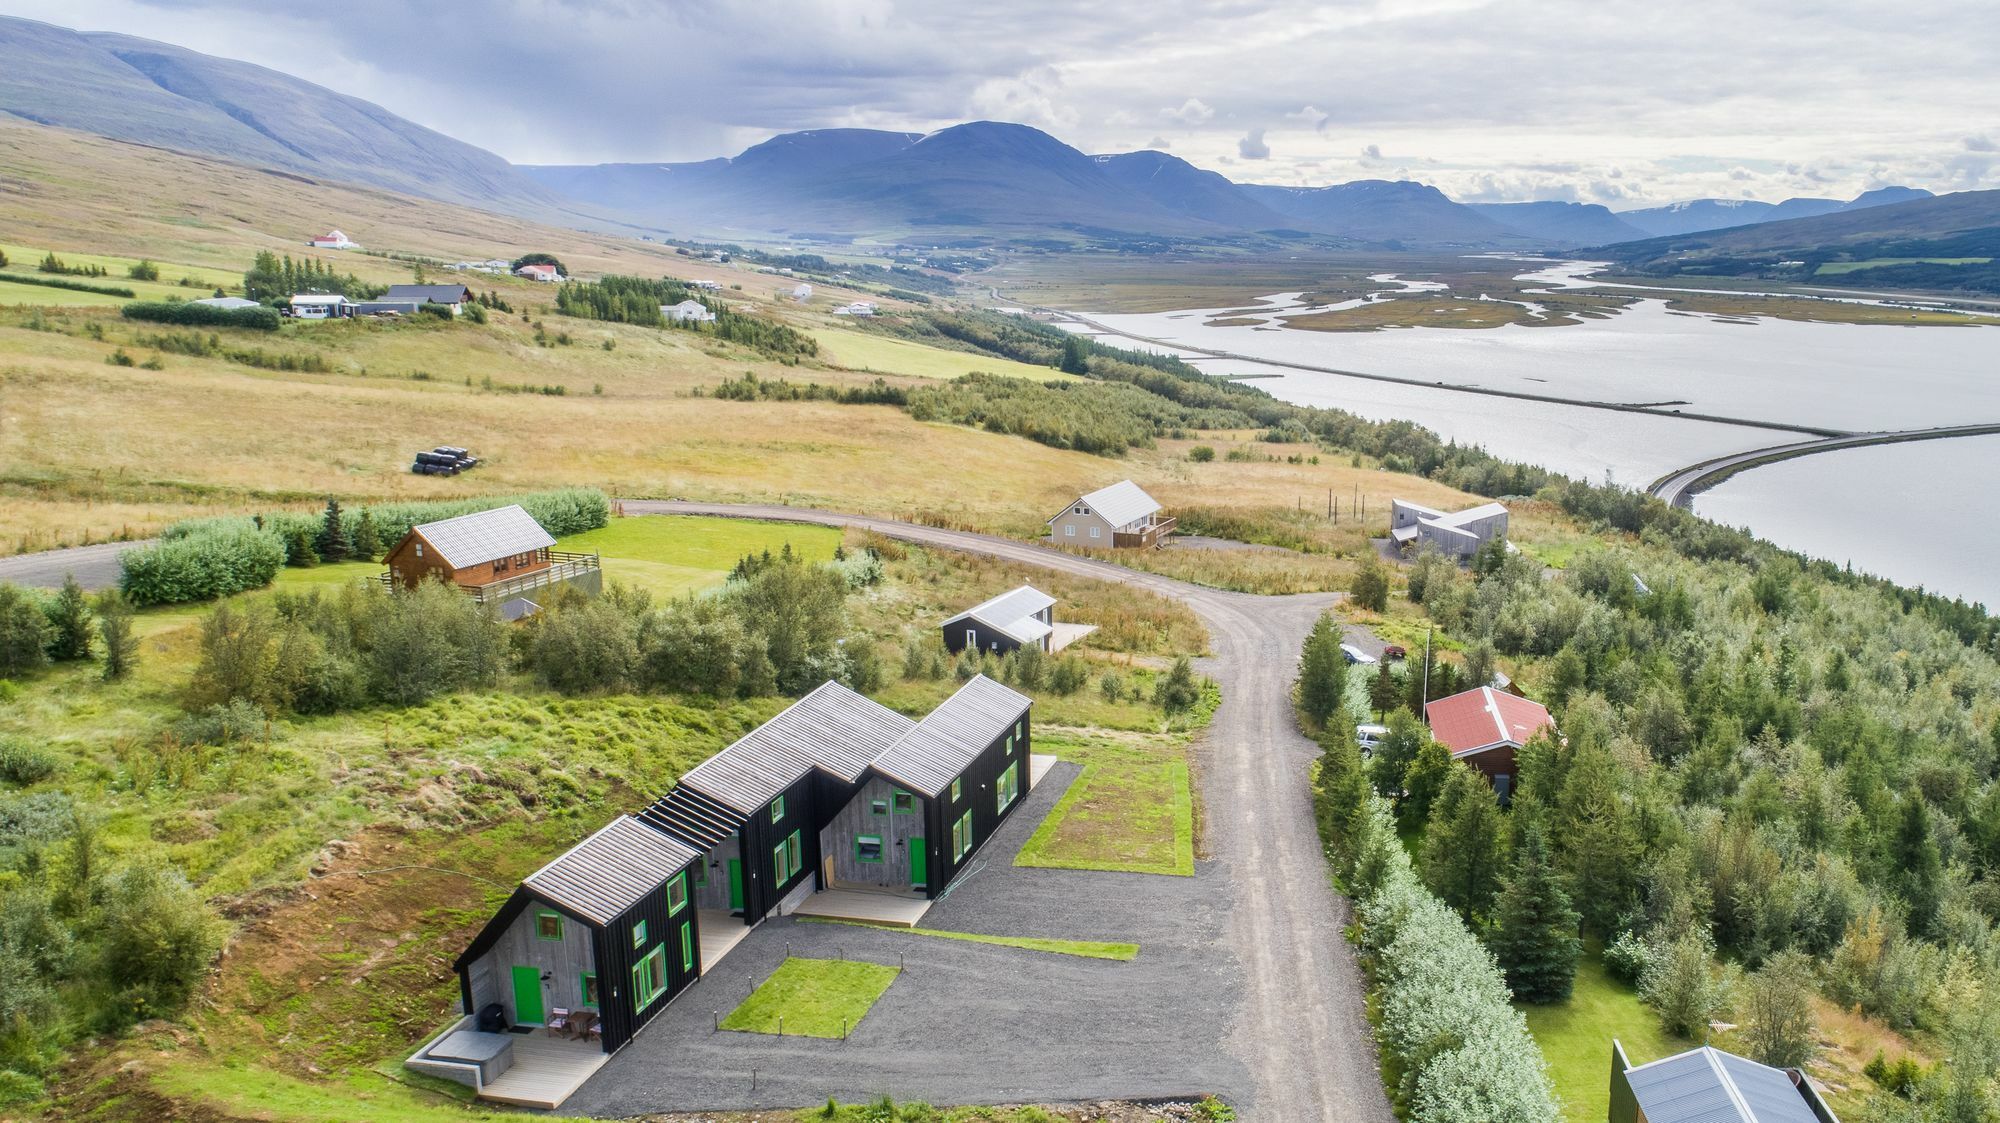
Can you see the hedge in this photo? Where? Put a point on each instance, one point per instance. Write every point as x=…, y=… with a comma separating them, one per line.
x=562, y=512
x=213, y=562
x=74, y=286
x=190, y=314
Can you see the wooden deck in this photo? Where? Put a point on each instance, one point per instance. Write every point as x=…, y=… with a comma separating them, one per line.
x=1038, y=767
x=720, y=932
x=547, y=1070
x=891, y=910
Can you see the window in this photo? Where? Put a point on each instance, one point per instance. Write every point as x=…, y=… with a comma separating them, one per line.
x=1010, y=744
x=957, y=790
x=878, y=807
x=961, y=836
x=649, y=978
x=868, y=848
x=1094, y=532
x=687, y=947
x=548, y=925
x=677, y=893
x=785, y=858
x=420, y=549
x=777, y=809
x=1009, y=786
x=1069, y=530
x=792, y=852
x=639, y=934
x=904, y=802
x=587, y=992
x=972, y=637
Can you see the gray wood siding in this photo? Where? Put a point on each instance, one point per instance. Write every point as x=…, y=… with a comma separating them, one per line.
x=491, y=976
x=857, y=818
x=715, y=894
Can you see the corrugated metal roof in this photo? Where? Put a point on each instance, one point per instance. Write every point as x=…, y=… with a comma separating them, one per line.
x=610, y=871
x=1483, y=717
x=1121, y=503
x=485, y=535
x=832, y=729
x=1707, y=1085
x=696, y=819
x=1011, y=613
x=933, y=753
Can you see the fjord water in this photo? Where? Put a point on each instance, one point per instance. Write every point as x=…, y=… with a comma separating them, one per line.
x=1779, y=372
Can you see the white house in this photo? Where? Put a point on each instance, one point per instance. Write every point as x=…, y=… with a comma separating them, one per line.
x=858, y=308
x=333, y=240
x=544, y=273
x=320, y=306
x=706, y=286
x=687, y=312
x=802, y=292
x=1118, y=516
x=1458, y=534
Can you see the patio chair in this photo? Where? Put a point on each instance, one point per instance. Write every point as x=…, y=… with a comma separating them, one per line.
x=590, y=1026
x=561, y=1021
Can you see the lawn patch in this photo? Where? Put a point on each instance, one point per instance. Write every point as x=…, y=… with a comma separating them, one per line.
x=1131, y=810
x=1088, y=949
x=670, y=555
x=813, y=998
x=1576, y=1036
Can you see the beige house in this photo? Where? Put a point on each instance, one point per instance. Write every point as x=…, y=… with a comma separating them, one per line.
x=1116, y=517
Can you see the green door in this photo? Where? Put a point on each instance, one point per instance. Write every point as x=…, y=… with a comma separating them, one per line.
x=919, y=865
x=736, y=884
x=528, y=996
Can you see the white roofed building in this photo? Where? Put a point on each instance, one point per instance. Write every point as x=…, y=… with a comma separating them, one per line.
x=1015, y=619
x=1121, y=516
x=687, y=312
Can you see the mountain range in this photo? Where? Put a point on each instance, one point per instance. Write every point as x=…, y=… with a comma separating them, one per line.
x=979, y=181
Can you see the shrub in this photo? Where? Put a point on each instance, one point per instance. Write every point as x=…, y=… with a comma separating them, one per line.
x=1371, y=584
x=159, y=939
x=1177, y=691
x=221, y=724
x=1682, y=986
x=1068, y=676
x=214, y=563
x=144, y=271
x=1628, y=957
x=23, y=764
x=1201, y=454
x=188, y=314
x=1112, y=686
x=1899, y=1077
x=24, y=632
x=69, y=623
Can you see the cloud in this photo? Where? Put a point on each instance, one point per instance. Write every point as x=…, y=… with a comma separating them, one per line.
x=1159, y=142
x=1192, y=112
x=1372, y=152
x=1311, y=116
x=1252, y=147
x=1981, y=144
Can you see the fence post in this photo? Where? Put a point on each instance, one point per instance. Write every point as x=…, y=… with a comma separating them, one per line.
x=781, y=1025
x=715, y=1019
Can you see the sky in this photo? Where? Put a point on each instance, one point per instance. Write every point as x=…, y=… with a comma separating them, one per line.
x=1629, y=103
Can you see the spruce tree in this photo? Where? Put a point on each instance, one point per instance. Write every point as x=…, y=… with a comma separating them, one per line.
x=367, y=539
x=69, y=617
x=1322, y=672
x=1598, y=843
x=1919, y=869
x=1342, y=795
x=114, y=627
x=1464, y=844
x=1536, y=941
x=332, y=544
x=1423, y=782
x=1385, y=692
x=1371, y=584
x=1075, y=356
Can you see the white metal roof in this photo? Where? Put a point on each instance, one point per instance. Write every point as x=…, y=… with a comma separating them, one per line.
x=226, y=302
x=485, y=535
x=611, y=871
x=832, y=728
x=1122, y=503
x=318, y=298
x=934, y=753
x=1707, y=1085
x=1012, y=613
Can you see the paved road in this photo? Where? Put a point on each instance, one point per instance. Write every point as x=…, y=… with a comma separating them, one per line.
x=1679, y=488
x=96, y=567
x=1298, y=1025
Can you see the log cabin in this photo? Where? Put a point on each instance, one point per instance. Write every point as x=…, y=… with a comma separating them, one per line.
x=497, y=557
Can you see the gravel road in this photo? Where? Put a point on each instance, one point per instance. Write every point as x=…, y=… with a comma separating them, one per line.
x=96, y=567
x=1297, y=1026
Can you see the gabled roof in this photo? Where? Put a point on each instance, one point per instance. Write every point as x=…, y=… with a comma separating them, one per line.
x=484, y=535
x=1012, y=613
x=225, y=302
x=612, y=870
x=1484, y=718
x=934, y=753
x=537, y=267
x=1121, y=503
x=318, y=298
x=435, y=294
x=1707, y=1085
x=832, y=729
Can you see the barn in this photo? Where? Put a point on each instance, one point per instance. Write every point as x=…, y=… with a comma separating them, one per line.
x=495, y=556
x=1015, y=619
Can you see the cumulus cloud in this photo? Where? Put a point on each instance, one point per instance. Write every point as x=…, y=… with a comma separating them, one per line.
x=1159, y=142
x=1372, y=152
x=1192, y=112
x=1981, y=143
x=1311, y=117
x=1252, y=147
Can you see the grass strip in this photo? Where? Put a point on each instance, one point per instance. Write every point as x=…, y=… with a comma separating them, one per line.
x=1088, y=949
x=812, y=998
x=1111, y=819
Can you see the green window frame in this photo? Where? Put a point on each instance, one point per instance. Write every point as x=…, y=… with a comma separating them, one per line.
x=687, y=947
x=792, y=853
x=677, y=893
x=778, y=809
x=1009, y=787
x=778, y=865
x=902, y=801
x=866, y=845
x=639, y=934
x=961, y=836
x=548, y=924
x=878, y=807
x=586, y=989
x=957, y=789
x=649, y=978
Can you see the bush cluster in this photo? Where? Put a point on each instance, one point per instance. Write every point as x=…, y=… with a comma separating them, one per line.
x=202, y=565
x=190, y=314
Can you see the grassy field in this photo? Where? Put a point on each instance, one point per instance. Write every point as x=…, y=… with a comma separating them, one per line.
x=812, y=998
x=1576, y=1039
x=1087, y=949
x=1131, y=810
x=671, y=555
x=1835, y=268
x=881, y=354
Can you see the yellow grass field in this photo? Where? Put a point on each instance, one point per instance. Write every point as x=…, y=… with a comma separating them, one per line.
x=881, y=354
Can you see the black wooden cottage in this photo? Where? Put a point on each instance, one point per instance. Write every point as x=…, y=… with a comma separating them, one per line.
x=1015, y=619
x=608, y=927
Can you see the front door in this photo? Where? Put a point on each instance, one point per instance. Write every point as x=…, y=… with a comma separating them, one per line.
x=528, y=996
x=919, y=864
x=736, y=885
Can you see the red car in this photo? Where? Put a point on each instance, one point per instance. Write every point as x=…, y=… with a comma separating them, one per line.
x=1395, y=651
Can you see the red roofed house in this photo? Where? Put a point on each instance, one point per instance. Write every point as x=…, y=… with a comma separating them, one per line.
x=546, y=273
x=333, y=240
x=1484, y=727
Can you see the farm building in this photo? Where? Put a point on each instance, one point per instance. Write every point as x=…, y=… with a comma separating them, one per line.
x=1459, y=534
x=320, y=306
x=858, y=308
x=495, y=556
x=1120, y=516
x=1707, y=1085
x=687, y=312
x=544, y=273
x=1022, y=617
x=333, y=240
x=1484, y=728
x=454, y=297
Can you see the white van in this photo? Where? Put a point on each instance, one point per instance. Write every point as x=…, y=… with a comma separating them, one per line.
x=1369, y=736
x=1355, y=654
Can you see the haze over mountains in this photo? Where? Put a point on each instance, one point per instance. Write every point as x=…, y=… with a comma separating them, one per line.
x=973, y=182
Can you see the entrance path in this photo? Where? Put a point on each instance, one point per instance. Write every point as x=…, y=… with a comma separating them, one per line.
x=95, y=567
x=1297, y=1026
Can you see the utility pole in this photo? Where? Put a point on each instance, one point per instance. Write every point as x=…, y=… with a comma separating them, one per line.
x=1427, y=662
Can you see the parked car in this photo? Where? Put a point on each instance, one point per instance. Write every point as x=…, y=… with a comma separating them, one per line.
x=1368, y=736
x=1355, y=654
x=1395, y=651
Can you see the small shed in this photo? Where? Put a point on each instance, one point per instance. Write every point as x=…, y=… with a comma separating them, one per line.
x=1018, y=618
x=1708, y=1085
x=320, y=306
